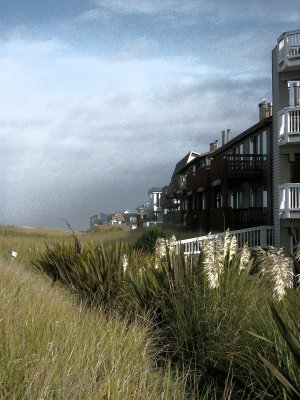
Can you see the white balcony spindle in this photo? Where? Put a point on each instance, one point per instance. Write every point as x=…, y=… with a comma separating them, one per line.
x=259, y=236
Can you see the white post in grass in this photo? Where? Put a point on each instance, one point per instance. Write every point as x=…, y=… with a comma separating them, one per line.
x=13, y=255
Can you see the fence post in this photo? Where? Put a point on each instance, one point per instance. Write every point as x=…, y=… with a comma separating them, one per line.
x=263, y=237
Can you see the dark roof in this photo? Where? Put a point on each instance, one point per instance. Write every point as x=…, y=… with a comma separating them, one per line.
x=254, y=128
x=184, y=161
x=155, y=189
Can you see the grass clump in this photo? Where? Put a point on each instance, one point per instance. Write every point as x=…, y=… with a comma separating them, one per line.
x=147, y=241
x=51, y=348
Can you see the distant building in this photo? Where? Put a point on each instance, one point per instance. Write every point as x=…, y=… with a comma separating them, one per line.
x=127, y=218
x=99, y=219
x=154, y=211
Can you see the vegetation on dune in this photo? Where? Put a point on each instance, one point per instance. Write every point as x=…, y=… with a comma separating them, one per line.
x=148, y=239
x=54, y=348
x=29, y=242
x=209, y=315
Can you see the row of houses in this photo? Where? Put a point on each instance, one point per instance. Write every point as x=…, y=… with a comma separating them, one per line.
x=252, y=179
x=146, y=215
x=242, y=182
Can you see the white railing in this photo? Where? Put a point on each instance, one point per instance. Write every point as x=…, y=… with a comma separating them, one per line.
x=259, y=236
x=289, y=199
x=289, y=125
x=289, y=49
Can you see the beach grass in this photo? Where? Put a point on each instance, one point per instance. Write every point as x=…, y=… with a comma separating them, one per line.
x=53, y=347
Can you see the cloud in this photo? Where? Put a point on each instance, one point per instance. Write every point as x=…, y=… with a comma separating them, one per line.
x=80, y=134
x=195, y=11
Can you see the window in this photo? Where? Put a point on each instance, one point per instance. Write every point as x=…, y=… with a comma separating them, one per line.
x=201, y=201
x=258, y=143
x=264, y=142
x=258, y=197
x=236, y=200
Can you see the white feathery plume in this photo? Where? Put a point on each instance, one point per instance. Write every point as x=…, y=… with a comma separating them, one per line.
x=213, y=260
x=278, y=268
x=233, y=247
x=245, y=257
x=171, y=243
x=281, y=273
x=124, y=262
x=160, y=248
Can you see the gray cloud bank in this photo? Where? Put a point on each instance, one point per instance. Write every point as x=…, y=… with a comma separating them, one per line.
x=82, y=134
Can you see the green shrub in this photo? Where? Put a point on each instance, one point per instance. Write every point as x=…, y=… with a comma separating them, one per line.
x=148, y=240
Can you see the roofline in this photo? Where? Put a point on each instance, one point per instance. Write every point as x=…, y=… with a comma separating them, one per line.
x=252, y=129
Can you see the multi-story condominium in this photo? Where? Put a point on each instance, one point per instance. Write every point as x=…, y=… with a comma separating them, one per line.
x=234, y=190
x=252, y=179
x=286, y=139
x=174, y=201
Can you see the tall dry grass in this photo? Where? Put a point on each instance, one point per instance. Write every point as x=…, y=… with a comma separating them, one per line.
x=209, y=315
x=30, y=242
x=52, y=348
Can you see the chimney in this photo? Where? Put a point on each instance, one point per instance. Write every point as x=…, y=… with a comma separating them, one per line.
x=228, y=135
x=223, y=138
x=269, y=109
x=296, y=86
x=213, y=146
x=262, y=106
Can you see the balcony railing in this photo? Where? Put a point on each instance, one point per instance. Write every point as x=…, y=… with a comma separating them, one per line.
x=289, y=50
x=237, y=166
x=289, y=197
x=178, y=183
x=198, y=220
x=289, y=125
x=198, y=179
x=259, y=236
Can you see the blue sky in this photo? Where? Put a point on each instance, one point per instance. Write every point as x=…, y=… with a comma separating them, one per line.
x=100, y=98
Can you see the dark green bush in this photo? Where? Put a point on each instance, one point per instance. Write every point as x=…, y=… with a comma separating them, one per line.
x=148, y=239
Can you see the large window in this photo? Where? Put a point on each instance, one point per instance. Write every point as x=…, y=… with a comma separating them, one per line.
x=258, y=143
x=237, y=200
x=258, y=197
x=201, y=201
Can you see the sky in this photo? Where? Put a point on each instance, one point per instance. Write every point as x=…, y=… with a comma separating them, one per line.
x=101, y=98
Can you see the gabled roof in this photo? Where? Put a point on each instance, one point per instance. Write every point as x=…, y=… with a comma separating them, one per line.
x=185, y=160
x=119, y=217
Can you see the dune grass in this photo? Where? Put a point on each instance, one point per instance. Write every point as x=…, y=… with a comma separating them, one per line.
x=209, y=315
x=29, y=242
x=53, y=348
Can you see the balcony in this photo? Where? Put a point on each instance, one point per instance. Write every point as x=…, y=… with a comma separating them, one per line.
x=237, y=218
x=178, y=183
x=289, y=51
x=174, y=217
x=289, y=125
x=237, y=166
x=289, y=200
x=198, y=179
x=198, y=221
